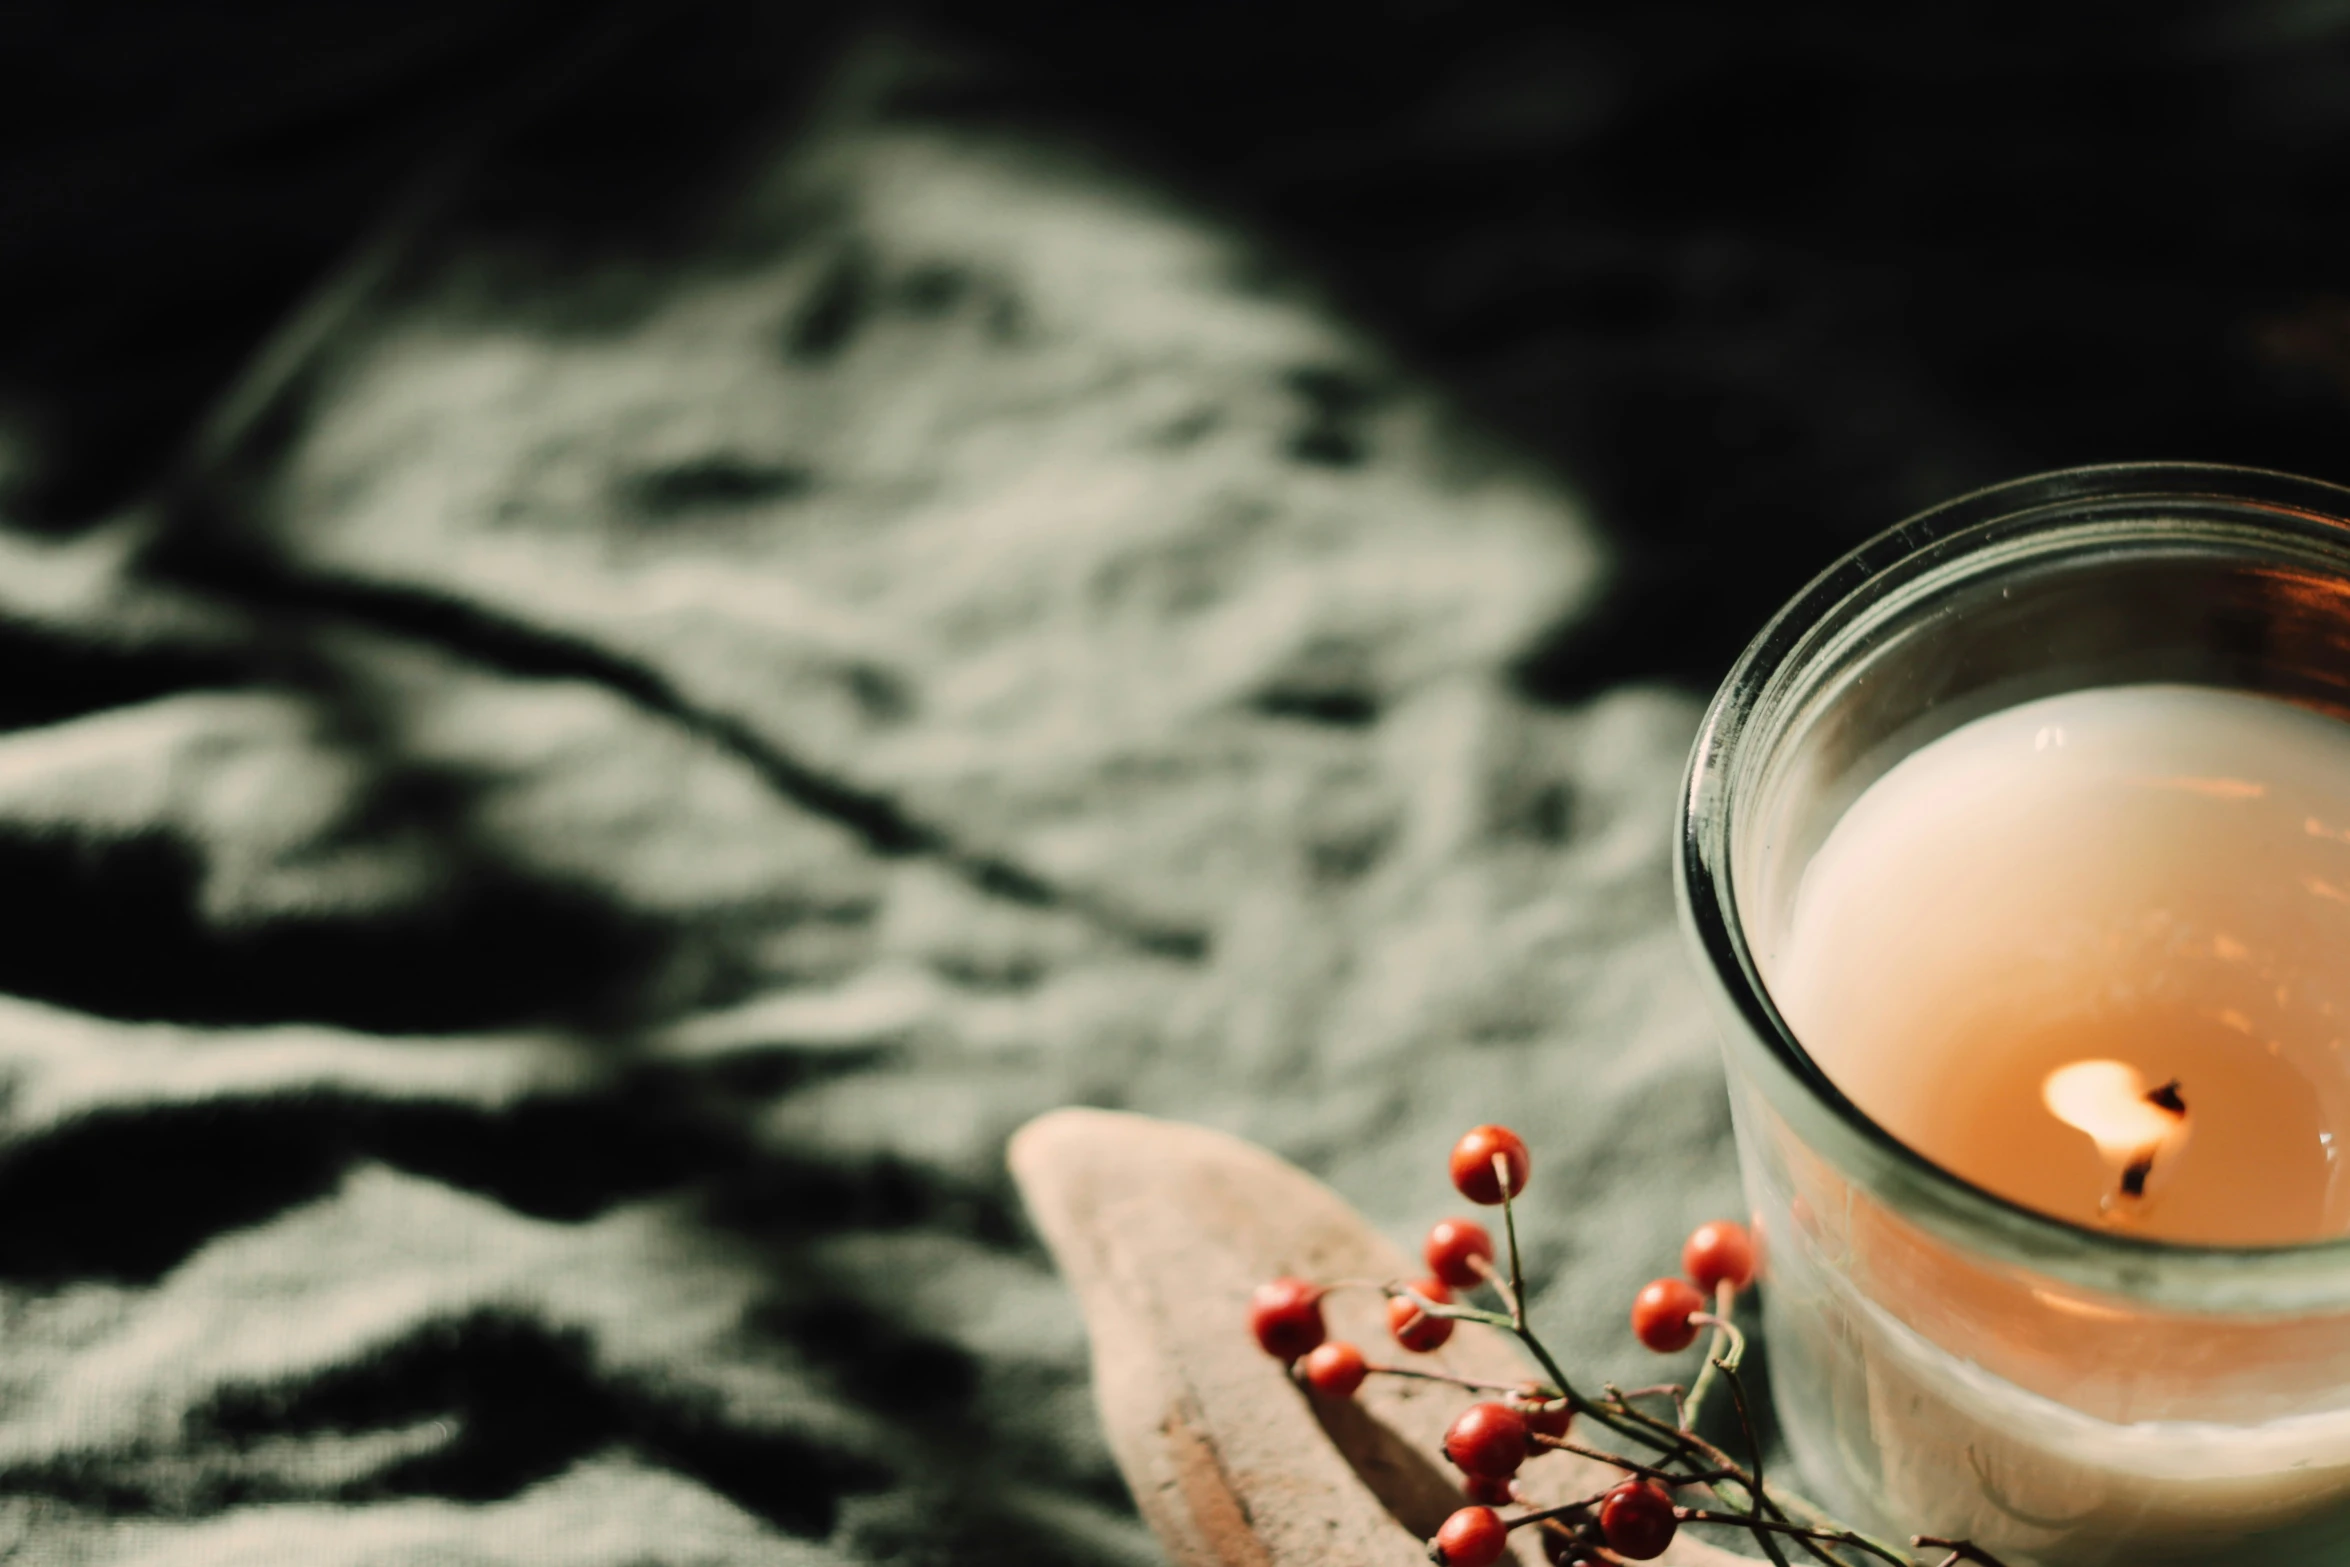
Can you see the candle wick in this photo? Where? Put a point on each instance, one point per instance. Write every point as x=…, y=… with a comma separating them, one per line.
x=2140, y=1168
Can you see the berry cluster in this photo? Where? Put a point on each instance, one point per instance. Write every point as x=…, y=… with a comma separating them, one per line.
x=1665, y=1314
x=1634, y=1518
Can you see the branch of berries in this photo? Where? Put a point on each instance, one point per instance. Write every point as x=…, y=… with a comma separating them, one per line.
x=1636, y=1518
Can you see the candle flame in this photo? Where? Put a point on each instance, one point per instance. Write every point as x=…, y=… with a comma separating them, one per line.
x=2132, y=1125
x=2108, y=1101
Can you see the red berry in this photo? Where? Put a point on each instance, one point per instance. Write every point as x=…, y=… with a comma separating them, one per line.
x=1545, y=1416
x=1472, y=1537
x=1473, y=1175
x=1484, y=1488
x=1638, y=1520
x=1286, y=1317
x=1336, y=1369
x=1455, y=1249
x=1413, y=1328
x=1660, y=1315
x=1487, y=1439
x=1718, y=1253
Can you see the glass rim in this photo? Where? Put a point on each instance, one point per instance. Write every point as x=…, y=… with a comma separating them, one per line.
x=2186, y=1274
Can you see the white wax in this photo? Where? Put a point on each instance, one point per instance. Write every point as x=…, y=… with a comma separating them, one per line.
x=2157, y=875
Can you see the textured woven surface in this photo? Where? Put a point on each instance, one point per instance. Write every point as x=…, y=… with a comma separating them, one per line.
x=548, y=853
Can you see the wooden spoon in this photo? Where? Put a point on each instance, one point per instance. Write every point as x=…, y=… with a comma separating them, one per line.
x=1163, y=1230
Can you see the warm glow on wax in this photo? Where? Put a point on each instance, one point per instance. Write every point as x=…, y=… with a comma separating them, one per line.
x=2028, y=926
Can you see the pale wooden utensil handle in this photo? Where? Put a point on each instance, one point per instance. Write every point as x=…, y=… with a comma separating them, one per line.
x=1163, y=1230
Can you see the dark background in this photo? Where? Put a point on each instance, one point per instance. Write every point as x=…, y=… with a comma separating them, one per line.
x=1749, y=276
x=1749, y=283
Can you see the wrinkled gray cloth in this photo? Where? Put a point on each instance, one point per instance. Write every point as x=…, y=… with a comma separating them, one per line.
x=547, y=865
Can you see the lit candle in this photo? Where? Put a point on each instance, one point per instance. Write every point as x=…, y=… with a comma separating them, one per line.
x=2025, y=928
x=2091, y=953
x=2023, y=894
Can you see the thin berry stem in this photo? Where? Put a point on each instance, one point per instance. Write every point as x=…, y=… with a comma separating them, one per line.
x=1580, y=1402
x=1832, y=1536
x=1685, y=1445
x=1679, y=1449
x=1576, y=1400
x=1509, y=1296
x=1757, y=1488
x=1515, y=1296
x=1630, y=1466
x=1680, y=1441
x=1672, y=1390
x=1516, y=1293
x=1729, y=1348
x=1562, y=1510
x=1674, y=1394
x=1457, y=1313
x=1471, y=1383
x=1782, y=1500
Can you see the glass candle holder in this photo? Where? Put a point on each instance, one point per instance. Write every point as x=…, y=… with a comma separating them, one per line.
x=1943, y=1360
